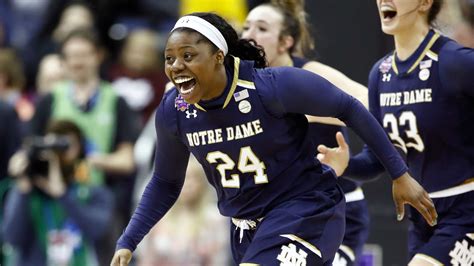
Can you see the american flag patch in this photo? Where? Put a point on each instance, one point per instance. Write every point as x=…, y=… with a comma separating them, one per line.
x=426, y=64
x=240, y=95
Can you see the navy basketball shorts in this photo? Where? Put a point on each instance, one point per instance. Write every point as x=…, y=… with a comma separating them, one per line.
x=357, y=232
x=306, y=230
x=451, y=241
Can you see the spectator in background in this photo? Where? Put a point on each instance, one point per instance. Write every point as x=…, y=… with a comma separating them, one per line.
x=66, y=18
x=10, y=137
x=109, y=126
x=50, y=217
x=138, y=76
x=50, y=72
x=12, y=84
x=193, y=227
x=24, y=21
x=3, y=33
x=77, y=14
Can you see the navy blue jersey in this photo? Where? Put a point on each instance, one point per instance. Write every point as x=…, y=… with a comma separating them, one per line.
x=426, y=105
x=252, y=142
x=326, y=135
x=357, y=213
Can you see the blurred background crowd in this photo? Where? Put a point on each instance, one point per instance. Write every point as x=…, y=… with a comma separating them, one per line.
x=92, y=72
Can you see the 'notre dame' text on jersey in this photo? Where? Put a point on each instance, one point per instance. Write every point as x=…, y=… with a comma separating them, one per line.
x=425, y=104
x=228, y=141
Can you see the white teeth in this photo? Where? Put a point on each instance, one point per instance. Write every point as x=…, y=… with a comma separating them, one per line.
x=180, y=80
x=387, y=8
x=183, y=92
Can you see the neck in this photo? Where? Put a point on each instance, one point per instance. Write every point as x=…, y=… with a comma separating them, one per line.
x=83, y=90
x=407, y=41
x=282, y=60
x=219, y=84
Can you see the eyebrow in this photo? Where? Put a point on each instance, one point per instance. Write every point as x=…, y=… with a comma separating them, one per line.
x=182, y=47
x=257, y=21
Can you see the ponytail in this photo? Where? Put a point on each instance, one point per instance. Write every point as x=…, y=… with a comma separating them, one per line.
x=295, y=25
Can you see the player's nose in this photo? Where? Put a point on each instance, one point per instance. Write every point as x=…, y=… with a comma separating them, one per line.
x=248, y=33
x=177, y=65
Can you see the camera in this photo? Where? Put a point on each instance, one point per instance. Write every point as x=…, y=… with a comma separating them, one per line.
x=35, y=146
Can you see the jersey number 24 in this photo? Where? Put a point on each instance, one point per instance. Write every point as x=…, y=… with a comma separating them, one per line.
x=248, y=162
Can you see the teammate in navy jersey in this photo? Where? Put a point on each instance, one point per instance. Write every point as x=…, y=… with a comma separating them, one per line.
x=280, y=28
x=245, y=124
x=423, y=95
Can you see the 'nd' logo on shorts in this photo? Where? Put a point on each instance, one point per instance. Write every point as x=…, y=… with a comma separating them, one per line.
x=290, y=256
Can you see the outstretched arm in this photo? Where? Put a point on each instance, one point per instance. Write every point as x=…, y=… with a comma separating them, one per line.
x=162, y=190
x=321, y=98
x=341, y=81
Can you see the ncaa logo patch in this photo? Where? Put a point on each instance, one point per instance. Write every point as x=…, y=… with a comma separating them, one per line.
x=245, y=107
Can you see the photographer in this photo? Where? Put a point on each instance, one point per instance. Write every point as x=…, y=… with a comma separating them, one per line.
x=51, y=218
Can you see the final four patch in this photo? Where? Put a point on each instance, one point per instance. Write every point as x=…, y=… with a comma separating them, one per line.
x=386, y=65
x=180, y=104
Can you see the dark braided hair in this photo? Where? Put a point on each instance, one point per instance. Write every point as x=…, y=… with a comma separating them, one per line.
x=244, y=49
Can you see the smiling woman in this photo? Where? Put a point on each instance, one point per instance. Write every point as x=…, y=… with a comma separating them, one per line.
x=188, y=55
x=285, y=205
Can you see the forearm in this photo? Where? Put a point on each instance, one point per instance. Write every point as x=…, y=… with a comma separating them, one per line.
x=364, y=167
x=325, y=120
x=340, y=80
x=370, y=131
x=321, y=98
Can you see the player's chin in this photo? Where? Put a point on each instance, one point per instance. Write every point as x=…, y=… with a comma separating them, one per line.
x=191, y=98
x=390, y=27
x=389, y=30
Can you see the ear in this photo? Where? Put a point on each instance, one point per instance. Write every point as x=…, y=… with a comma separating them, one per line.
x=220, y=57
x=286, y=42
x=425, y=5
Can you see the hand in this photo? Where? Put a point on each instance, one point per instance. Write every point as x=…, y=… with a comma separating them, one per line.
x=336, y=158
x=17, y=168
x=54, y=184
x=18, y=164
x=121, y=257
x=405, y=189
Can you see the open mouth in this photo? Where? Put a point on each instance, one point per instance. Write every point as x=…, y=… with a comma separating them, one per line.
x=388, y=13
x=185, y=85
